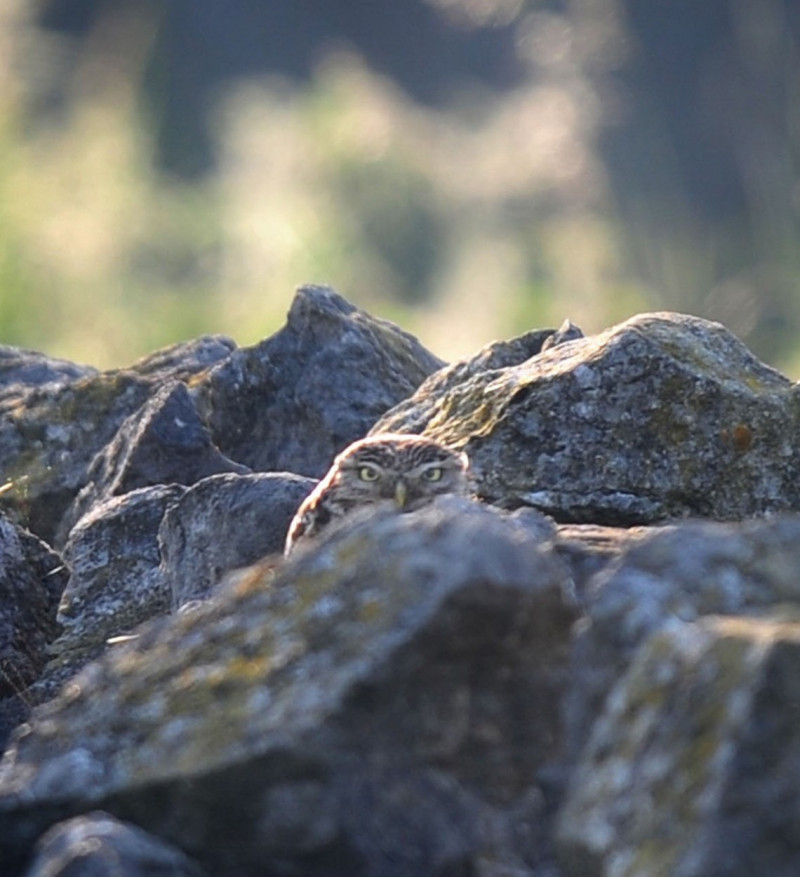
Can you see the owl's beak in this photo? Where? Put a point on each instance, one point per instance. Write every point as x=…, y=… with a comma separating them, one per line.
x=400, y=494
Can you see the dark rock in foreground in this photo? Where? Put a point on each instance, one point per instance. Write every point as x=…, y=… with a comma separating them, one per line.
x=672, y=575
x=663, y=416
x=692, y=770
x=387, y=706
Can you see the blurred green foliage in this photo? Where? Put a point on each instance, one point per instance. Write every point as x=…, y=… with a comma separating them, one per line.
x=496, y=213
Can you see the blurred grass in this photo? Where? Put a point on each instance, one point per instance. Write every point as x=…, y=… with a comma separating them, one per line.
x=463, y=227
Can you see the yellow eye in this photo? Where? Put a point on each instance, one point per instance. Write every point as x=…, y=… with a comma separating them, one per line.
x=368, y=473
x=433, y=474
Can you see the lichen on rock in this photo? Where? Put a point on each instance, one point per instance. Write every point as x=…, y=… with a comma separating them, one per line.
x=664, y=415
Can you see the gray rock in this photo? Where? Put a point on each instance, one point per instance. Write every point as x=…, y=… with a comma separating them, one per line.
x=590, y=549
x=225, y=522
x=664, y=415
x=50, y=433
x=567, y=331
x=694, y=767
x=293, y=401
x=21, y=369
x=114, y=557
x=413, y=414
x=114, y=585
x=670, y=576
x=164, y=442
x=185, y=361
x=97, y=845
x=32, y=578
x=387, y=705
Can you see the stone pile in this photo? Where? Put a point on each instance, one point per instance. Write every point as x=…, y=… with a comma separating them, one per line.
x=587, y=669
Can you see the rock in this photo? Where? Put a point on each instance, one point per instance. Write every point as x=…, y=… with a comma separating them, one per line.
x=669, y=576
x=115, y=581
x=114, y=557
x=589, y=549
x=663, y=416
x=225, y=522
x=97, y=845
x=32, y=578
x=48, y=440
x=50, y=433
x=21, y=369
x=387, y=705
x=292, y=402
x=164, y=442
x=694, y=767
x=185, y=361
x=412, y=415
x=567, y=331
x=287, y=404
x=412, y=694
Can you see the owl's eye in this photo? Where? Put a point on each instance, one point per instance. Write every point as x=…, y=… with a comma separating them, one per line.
x=368, y=473
x=433, y=474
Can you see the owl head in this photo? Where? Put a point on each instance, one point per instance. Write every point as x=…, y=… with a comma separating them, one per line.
x=408, y=470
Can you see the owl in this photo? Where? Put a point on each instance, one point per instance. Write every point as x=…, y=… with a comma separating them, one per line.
x=406, y=470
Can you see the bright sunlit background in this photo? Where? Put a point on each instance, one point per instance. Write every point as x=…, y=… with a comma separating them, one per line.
x=468, y=168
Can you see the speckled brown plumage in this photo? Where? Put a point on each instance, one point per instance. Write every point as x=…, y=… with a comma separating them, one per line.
x=406, y=470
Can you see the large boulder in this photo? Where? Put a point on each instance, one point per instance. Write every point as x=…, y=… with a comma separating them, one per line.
x=694, y=767
x=664, y=415
x=669, y=576
x=387, y=705
x=292, y=402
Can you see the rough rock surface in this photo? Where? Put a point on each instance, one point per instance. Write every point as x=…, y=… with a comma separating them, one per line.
x=289, y=403
x=22, y=369
x=664, y=415
x=413, y=414
x=164, y=442
x=590, y=549
x=429, y=693
x=114, y=583
x=292, y=402
x=673, y=575
x=97, y=845
x=692, y=770
x=385, y=707
x=50, y=432
x=223, y=523
x=31, y=580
